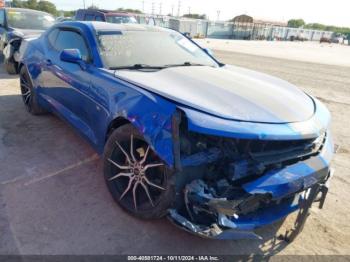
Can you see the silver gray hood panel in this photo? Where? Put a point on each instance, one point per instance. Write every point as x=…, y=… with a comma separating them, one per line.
x=228, y=92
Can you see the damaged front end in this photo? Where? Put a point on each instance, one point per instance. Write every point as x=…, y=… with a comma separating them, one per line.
x=228, y=187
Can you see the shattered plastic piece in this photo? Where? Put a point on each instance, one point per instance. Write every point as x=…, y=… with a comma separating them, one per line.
x=213, y=231
x=225, y=222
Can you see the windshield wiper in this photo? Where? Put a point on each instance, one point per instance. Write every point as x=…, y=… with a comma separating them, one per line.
x=185, y=64
x=137, y=67
x=144, y=66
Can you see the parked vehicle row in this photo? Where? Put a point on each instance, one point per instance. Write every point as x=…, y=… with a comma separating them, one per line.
x=17, y=24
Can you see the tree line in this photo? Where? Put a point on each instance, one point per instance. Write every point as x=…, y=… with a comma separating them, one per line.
x=297, y=23
x=47, y=6
x=42, y=5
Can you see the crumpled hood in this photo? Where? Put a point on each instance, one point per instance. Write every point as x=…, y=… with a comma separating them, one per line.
x=228, y=92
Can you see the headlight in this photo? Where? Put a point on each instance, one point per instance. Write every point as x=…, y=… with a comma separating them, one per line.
x=318, y=142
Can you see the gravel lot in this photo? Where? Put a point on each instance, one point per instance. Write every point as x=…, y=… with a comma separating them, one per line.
x=53, y=199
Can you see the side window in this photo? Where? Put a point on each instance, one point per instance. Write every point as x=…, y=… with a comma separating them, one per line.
x=52, y=36
x=89, y=17
x=72, y=40
x=99, y=18
x=2, y=17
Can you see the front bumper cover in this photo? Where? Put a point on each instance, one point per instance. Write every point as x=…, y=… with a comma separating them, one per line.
x=243, y=227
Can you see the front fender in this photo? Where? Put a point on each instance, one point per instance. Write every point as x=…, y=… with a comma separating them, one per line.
x=153, y=119
x=151, y=114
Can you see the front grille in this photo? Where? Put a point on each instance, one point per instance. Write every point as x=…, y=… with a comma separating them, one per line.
x=289, y=150
x=267, y=155
x=240, y=158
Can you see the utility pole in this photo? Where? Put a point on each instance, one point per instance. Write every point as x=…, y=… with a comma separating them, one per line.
x=143, y=6
x=189, y=10
x=218, y=12
x=84, y=4
x=178, y=8
x=172, y=10
x=160, y=8
x=153, y=8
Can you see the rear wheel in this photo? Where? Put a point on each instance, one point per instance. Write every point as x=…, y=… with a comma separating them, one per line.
x=28, y=95
x=136, y=177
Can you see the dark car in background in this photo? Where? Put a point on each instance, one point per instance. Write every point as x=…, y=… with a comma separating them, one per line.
x=105, y=16
x=325, y=40
x=15, y=25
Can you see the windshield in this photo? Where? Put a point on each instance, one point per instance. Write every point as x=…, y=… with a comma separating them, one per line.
x=27, y=19
x=151, y=48
x=117, y=19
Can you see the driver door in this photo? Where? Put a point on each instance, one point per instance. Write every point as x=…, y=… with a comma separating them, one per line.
x=66, y=86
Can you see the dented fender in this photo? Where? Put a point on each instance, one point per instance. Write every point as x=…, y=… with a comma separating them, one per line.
x=153, y=117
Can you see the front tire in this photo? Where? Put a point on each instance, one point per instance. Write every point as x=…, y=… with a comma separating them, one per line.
x=135, y=176
x=28, y=94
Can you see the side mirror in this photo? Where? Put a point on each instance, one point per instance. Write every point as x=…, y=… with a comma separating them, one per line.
x=71, y=56
x=208, y=51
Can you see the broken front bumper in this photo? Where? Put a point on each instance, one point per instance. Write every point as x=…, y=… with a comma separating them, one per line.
x=292, y=188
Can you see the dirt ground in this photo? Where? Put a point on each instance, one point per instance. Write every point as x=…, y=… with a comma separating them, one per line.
x=310, y=51
x=53, y=199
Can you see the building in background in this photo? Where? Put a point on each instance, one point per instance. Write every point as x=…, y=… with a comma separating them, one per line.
x=247, y=28
x=242, y=27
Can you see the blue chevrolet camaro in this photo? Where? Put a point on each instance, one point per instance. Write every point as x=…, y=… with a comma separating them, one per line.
x=219, y=149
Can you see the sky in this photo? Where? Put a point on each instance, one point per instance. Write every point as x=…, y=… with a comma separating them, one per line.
x=335, y=12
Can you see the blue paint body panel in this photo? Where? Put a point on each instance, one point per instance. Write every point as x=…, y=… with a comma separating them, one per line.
x=91, y=99
x=267, y=215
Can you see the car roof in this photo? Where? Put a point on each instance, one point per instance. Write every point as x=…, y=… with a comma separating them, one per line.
x=107, y=12
x=99, y=26
x=103, y=26
x=118, y=13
